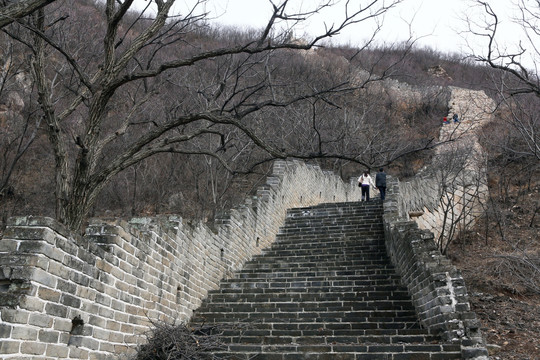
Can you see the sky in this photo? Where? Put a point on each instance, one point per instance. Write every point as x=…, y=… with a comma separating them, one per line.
x=437, y=24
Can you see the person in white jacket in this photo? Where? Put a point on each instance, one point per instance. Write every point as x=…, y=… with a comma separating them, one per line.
x=364, y=181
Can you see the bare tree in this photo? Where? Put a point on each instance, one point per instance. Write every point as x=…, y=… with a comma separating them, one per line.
x=462, y=190
x=144, y=85
x=11, y=11
x=516, y=80
x=19, y=123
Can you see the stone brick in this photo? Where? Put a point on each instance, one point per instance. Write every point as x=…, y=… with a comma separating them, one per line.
x=62, y=325
x=102, y=356
x=49, y=294
x=117, y=337
x=113, y=325
x=78, y=353
x=66, y=245
x=33, y=348
x=59, y=269
x=5, y=331
x=9, y=347
x=32, y=304
x=86, y=293
x=102, y=334
x=56, y=310
x=84, y=341
x=104, y=300
x=106, y=347
x=66, y=287
x=79, y=278
x=14, y=316
x=43, y=321
x=73, y=263
x=8, y=245
x=24, y=333
x=28, y=233
x=57, y=351
x=48, y=336
x=70, y=301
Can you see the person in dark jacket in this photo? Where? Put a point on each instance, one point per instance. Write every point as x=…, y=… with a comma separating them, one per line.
x=380, y=183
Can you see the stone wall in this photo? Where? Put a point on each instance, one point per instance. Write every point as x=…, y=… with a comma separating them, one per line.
x=450, y=193
x=436, y=287
x=93, y=297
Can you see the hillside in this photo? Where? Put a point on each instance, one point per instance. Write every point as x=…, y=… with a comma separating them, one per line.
x=218, y=121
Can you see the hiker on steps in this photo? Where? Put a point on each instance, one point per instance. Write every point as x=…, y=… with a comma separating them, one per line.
x=364, y=181
x=380, y=183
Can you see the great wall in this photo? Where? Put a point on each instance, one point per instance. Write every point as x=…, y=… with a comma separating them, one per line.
x=64, y=296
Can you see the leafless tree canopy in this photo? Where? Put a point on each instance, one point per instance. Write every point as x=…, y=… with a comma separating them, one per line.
x=129, y=85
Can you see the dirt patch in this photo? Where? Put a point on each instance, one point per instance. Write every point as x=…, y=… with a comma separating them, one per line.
x=500, y=269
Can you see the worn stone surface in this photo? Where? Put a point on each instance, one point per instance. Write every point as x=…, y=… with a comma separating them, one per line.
x=95, y=297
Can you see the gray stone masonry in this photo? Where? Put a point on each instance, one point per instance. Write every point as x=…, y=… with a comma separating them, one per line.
x=324, y=290
x=454, y=184
x=436, y=287
x=63, y=296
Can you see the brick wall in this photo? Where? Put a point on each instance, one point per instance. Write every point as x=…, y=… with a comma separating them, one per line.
x=436, y=287
x=450, y=193
x=93, y=297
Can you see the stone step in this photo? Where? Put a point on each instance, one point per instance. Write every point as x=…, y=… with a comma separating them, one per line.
x=373, y=245
x=359, y=221
x=318, y=338
x=322, y=223
x=306, y=292
x=340, y=351
x=319, y=282
x=301, y=264
x=288, y=288
x=312, y=275
x=303, y=318
x=330, y=329
x=352, y=252
x=324, y=290
x=316, y=241
x=323, y=261
x=373, y=319
x=302, y=292
x=336, y=209
x=337, y=301
x=321, y=286
x=322, y=241
x=325, y=230
x=217, y=296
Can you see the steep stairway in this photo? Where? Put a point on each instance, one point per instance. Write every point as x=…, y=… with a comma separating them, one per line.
x=324, y=290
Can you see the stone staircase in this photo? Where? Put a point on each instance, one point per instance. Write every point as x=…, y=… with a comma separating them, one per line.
x=324, y=290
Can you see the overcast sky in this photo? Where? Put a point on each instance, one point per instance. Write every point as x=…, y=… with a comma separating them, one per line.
x=435, y=23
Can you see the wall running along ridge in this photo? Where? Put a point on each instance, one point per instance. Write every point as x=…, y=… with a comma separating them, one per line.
x=449, y=194
x=93, y=297
x=446, y=197
x=436, y=287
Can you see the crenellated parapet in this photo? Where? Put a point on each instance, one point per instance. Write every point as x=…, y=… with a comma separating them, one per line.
x=449, y=194
x=437, y=289
x=94, y=296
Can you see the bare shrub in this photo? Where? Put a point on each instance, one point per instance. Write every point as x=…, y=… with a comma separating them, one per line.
x=522, y=267
x=175, y=342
